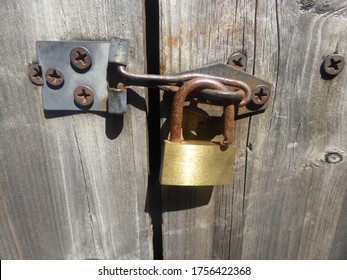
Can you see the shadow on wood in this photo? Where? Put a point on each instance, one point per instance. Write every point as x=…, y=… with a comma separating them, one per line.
x=114, y=123
x=182, y=198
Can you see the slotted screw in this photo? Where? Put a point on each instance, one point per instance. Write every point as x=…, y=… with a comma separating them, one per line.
x=260, y=94
x=83, y=96
x=35, y=74
x=80, y=58
x=54, y=77
x=238, y=60
x=333, y=64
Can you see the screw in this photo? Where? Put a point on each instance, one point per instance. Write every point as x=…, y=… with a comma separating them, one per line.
x=81, y=59
x=35, y=74
x=260, y=94
x=54, y=77
x=333, y=64
x=83, y=96
x=238, y=60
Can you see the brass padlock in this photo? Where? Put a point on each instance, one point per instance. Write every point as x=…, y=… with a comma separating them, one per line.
x=197, y=163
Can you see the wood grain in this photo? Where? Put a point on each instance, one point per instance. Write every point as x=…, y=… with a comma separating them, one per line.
x=287, y=200
x=71, y=186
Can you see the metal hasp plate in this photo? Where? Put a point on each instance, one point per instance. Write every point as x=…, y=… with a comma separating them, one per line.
x=75, y=74
x=256, y=84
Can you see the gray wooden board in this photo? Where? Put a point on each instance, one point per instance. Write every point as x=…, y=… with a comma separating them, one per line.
x=72, y=186
x=287, y=200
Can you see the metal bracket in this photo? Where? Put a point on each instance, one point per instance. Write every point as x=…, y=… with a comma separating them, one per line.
x=74, y=77
x=258, y=86
x=62, y=76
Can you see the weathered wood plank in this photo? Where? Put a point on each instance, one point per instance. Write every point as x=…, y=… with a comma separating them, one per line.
x=193, y=34
x=294, y=195
x=74, y=186
x=286, y=201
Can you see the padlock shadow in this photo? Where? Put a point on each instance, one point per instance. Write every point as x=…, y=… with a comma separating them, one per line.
x=176, y=198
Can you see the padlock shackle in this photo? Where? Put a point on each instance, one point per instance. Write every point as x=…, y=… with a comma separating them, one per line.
x=178, y=103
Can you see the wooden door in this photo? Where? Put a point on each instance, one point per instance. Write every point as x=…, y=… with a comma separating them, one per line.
x=77, y=186
x=71, y=186
x=288, y=197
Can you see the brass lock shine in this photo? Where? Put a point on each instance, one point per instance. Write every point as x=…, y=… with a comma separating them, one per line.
x=197, y=163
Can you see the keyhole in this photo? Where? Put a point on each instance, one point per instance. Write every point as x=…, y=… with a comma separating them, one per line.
x=334, y=64
x=84, y=95
x=238, y=62
x=54, y=75
x=261, y=94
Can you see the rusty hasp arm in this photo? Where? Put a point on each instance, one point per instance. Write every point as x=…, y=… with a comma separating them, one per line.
x=118, y=59
x=151, y=80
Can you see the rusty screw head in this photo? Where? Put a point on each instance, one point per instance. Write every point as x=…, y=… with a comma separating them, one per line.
x=238, y=60
x=81, y=59
x=54, y=77
x=83, y=96
x=35, y=74
x=260, y=94
x=333, y=64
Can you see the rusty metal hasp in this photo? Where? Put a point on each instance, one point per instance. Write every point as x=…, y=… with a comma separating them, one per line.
x=92, y=75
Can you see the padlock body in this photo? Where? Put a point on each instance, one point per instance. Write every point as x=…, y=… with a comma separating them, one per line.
x=196, y=163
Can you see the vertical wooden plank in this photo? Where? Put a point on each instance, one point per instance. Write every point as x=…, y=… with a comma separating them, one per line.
x=206, y=223
x=71, y=186
x=296, y=175
x=287, y=198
